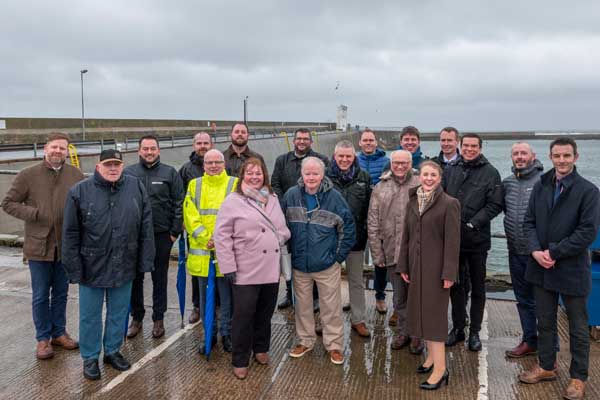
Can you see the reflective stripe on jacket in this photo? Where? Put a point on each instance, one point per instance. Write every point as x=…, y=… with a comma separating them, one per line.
x=202, y=202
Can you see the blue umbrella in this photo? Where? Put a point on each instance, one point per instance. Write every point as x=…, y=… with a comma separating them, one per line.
x=181, y=276
x=209, y=308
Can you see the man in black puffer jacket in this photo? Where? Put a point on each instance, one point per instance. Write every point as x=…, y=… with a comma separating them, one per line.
x=355, y=186
x=107, y=240
x=164, y=187
x=476, y=184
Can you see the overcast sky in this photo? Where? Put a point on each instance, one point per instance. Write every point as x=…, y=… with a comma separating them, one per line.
x=476, y=65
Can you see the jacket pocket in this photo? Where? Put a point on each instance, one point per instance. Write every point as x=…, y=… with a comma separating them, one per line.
x=36, y=244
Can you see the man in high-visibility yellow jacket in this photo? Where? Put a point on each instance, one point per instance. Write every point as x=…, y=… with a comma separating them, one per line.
x=202, y=202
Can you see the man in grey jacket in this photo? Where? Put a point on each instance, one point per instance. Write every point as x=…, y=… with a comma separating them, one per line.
x=517, y=189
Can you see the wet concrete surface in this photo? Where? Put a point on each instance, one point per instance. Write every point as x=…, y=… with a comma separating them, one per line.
x=170, y=367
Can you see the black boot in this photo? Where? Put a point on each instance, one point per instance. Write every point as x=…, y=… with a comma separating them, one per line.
x=474, y=342
x=455, y=336
x=226, y=341
x=91, y=370
x=117, y=361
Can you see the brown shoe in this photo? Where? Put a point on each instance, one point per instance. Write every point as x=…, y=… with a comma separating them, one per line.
x=240, y=373
x=393, y=321
x=44, y=350
x=575, y=390
x=361, y=330
x=522, y=350
x=158, y=330
x=400, y=341
x=194, y=316
x=537, y=374
x=66, y=342
x=381, y=306
x=336, y=357
x=298, y=351
x=134, y=328
x=261, y=358
x=416, y=346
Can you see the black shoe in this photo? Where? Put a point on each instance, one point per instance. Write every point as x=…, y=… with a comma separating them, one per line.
x=91, y=370
x=455, y=336
x=346, y=307
x=202, y=349
x=316, y=307
x=226, y=341
x=117, y=361
x=474, y=342
x=285, y=303
x=423, y=370
x=435, y=386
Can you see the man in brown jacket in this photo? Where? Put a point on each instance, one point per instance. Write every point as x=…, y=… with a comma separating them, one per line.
x=387, y=212
x=38, y=196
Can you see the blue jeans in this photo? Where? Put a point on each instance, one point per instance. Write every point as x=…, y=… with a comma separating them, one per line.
x=226, y=307
x=525, y=295
x=90, y=319
x=50, y=286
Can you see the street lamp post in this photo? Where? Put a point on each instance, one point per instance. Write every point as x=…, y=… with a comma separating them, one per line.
x=83, y=71
x=246, y=110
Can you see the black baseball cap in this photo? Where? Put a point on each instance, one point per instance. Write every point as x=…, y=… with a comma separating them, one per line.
x=110, y=155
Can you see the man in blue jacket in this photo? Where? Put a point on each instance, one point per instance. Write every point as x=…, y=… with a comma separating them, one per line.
x=107, y=240
x=370, y=157
x=410, y=139
x=323, y=234
x=561, y=223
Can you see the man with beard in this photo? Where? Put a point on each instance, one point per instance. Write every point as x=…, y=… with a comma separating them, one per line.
x=448, y=146
x=191, y=170
x=286, y=174
x=165, y=190
x=238, y=151
x=37, y=196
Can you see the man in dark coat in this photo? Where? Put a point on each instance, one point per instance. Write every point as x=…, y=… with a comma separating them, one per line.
x=355, y=186
x=517, y=189
x=238, y=151
x=191, y=170
x=37, y=196
x=449, y=152
x=107, y=240
x=286, y=173
x=561, y=223
x=165, y=189
x=476, y=184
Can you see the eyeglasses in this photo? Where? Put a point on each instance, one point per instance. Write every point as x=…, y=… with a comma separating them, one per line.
x=400, y=163
x=213, y=162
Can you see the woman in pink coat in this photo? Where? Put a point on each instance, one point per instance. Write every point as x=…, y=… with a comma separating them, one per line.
x=249, y=232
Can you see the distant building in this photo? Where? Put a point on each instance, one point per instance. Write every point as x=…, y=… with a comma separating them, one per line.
x=342, y=118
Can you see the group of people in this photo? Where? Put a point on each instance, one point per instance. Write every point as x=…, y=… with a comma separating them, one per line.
x=424, y=222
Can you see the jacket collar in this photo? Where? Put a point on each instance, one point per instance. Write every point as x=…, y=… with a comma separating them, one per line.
x=480, y=161
x=415, y=204
x=247, y=152
x=377, y=154
x=196, y=159
x=100, y=181
x=549, y=178
x=143, y=163
x=215, y=180
x=524, y=173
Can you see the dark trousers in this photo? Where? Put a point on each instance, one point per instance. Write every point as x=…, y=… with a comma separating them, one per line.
x=162, y=244
x=380, y=282
x=525, y=296
x=576, y=306
x=195, y=292
x=253, y=307
x=474, y=265
x=50, y=286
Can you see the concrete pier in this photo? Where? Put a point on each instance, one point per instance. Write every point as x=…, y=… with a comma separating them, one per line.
x=171, y=368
